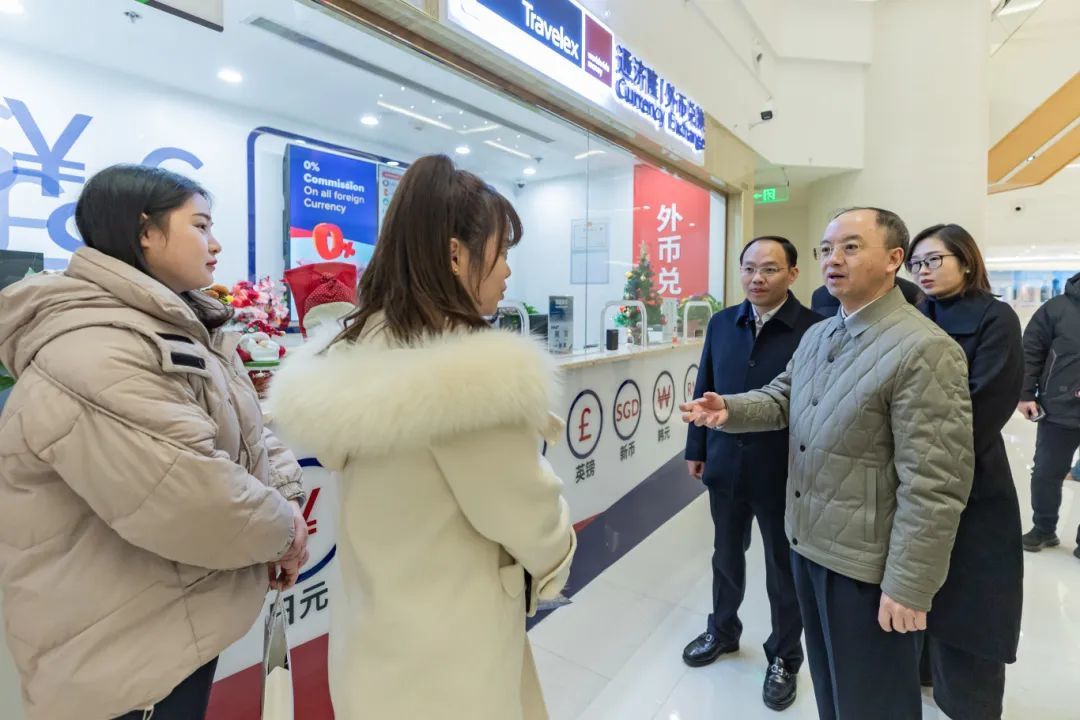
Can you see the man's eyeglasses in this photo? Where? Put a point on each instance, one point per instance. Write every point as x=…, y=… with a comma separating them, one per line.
x=849, y=249
x=932, y=262
x=768, y=273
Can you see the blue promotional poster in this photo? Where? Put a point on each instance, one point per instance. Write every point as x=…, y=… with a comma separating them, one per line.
x=333, y=207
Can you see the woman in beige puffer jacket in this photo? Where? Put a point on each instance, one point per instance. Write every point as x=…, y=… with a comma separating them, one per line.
x=143, y=506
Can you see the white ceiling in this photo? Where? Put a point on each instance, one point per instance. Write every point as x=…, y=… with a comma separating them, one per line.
x=283, y=78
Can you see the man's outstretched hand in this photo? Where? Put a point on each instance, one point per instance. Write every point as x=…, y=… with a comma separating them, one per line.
x=708, y=411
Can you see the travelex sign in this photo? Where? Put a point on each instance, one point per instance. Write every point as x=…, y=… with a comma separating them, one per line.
x=556, y=24
x=568, y=35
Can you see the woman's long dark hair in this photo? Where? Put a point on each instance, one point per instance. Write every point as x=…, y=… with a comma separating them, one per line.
x=961, y=244
x=110, y=217
x=409, y=279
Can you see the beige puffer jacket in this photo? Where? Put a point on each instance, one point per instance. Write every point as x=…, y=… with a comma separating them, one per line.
x=140, y=496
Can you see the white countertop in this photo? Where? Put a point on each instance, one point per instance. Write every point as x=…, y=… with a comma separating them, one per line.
x=600, y=356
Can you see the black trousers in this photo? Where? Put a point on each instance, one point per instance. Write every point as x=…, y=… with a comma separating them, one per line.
x=187, y=701
x=966, y=687
x=859, y=670
x=732, y=519
x=1054, y=448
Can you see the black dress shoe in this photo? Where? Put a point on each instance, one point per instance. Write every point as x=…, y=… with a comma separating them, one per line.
x=1036, y=539
x=705, y=648
x=781, y=685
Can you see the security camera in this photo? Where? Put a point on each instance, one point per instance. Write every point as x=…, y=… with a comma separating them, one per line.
x=768, y=111
x=520, y=184
x=1018, y=208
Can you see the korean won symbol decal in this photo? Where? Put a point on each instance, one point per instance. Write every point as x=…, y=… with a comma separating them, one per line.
x=663, y=397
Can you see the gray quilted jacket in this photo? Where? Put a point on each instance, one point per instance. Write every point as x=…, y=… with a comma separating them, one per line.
x=880, y=455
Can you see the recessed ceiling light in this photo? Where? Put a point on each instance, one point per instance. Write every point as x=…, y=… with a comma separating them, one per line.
x=510, y=151
x=369, y=120
x=402, y=88
x=393, y=163
x=230, y=76
x=413, y=115
x=482, y=129
x=12, y=7
x=462, y=150
x=529, y=171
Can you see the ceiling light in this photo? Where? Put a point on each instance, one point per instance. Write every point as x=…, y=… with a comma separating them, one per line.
x=413, y=115
x=462, y=150
x=481, y=129
x=12, y=7
x=393, y=163
x=369, y=120
x=511, y=151
x=230, y=76
x=1033, y=258
x=590, y=153
x=1019, y=8
x=529, y=171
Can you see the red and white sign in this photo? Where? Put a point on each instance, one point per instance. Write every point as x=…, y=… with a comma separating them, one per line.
x=663, y=398
x=690, y=383
x=627, y=411
x=671, y=218
x=584, y=423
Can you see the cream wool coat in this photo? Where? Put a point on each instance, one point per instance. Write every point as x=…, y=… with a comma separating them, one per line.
x=446, y=505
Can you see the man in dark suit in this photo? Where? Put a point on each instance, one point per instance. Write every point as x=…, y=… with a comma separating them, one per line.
x=746, y=346
x=823, y=303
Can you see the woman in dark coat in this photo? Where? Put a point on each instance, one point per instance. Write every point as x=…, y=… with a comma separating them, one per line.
x=974, y=625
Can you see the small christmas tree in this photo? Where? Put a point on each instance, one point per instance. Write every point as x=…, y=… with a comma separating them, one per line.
x=639, y=286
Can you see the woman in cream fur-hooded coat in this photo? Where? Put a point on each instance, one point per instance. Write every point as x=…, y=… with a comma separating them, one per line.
x=446, y=509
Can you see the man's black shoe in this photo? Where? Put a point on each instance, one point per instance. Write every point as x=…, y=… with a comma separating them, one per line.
x=705, y=648
x=780, y=686
x=1036, y=539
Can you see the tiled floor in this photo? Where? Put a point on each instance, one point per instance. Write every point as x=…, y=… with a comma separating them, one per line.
x=614, y=654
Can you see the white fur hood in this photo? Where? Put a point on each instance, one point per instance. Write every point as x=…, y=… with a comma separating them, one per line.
x=369, y=398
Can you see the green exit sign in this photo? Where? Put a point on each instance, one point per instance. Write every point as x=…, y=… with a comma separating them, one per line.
x=765, y=196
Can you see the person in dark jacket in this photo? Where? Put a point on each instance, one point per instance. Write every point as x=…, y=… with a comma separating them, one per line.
x=1052, y=386
x=823, y=303
x=973, y=628
x=745, y=347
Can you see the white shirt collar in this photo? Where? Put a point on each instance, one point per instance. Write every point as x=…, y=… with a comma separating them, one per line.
x=763, y=317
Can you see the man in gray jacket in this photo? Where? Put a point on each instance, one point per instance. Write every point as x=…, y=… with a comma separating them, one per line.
x=880, y=465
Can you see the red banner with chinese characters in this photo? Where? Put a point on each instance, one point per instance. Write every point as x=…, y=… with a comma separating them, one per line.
x=671, y=217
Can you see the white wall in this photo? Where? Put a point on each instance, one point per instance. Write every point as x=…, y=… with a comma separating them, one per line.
x=792, y=222
x=926, y=119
